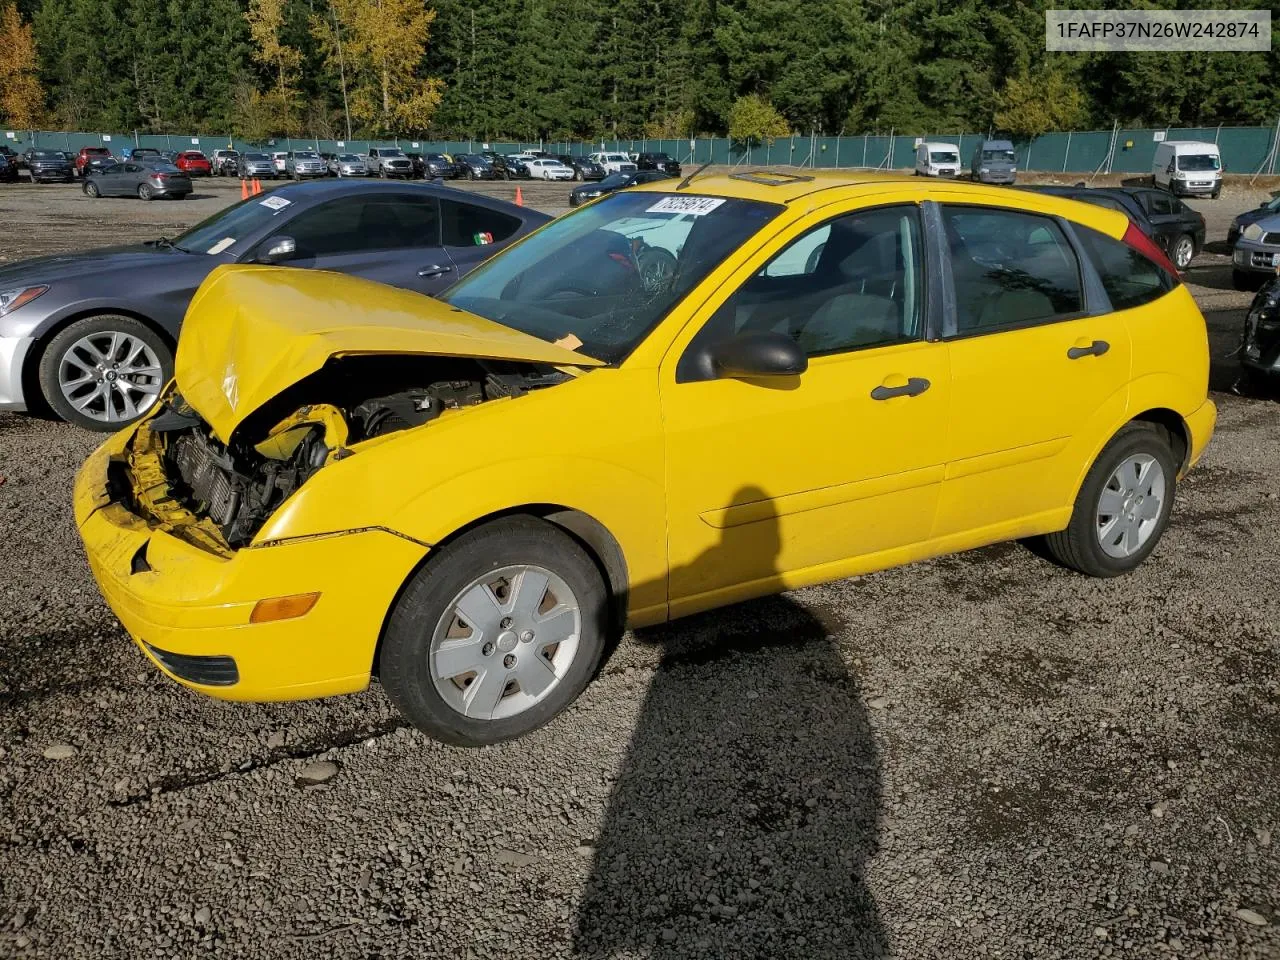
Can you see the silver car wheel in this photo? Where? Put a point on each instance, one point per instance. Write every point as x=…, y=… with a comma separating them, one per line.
x=1183, y=251
x=110, y=376
x=505, y=641
x=1129, y=506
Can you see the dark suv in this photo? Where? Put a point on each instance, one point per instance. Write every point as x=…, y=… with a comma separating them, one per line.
x=583, y=167
x=657, y=161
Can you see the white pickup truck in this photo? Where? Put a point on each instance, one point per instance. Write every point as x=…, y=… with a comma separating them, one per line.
x=614, y=162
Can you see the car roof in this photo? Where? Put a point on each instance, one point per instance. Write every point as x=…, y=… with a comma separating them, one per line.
x=940, y=143
x=787, y=187
x=318, y=191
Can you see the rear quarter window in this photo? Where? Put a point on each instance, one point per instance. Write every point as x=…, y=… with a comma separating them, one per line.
x=464, y=224
x=1129, y=278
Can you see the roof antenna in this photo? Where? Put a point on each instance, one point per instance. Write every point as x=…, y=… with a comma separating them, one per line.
x=685, y=182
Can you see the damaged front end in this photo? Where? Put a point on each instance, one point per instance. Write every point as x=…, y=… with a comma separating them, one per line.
x=215, y=495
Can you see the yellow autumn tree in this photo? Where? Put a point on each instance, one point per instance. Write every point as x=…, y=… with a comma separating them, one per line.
x=21, y=96
x=378, y=45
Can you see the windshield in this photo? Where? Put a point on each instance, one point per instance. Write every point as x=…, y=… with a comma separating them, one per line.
x=1196, y=162
x=390, y=153
x=306, y=156
x=227, y=227
x=997, y=156
x=48, y=155
x=944, y=156
x=581, y=280
x=350, y=158
x=96, y=151
x=256, y=156
x=615, y=180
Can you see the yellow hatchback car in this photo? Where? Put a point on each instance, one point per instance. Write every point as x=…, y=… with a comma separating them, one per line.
x=675, y=398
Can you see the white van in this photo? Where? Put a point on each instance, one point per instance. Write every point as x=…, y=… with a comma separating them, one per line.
x=937, y=160
x=1188, y=168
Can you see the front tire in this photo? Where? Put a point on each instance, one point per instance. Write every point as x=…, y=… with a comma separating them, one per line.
x=1123, y=506
x=104, y=372
x=496, y=634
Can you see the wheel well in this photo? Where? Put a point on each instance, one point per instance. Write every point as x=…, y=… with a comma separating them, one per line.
x=589, y=533
x=31, y=367
x=1176, y=429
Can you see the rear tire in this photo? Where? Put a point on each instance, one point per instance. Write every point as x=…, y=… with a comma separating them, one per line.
x=1088, y=543
x=1184, y=251
x=145, y=192
x=426, y=612
x=91, y=190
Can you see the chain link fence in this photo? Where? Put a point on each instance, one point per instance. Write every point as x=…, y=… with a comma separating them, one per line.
x=1245, y=150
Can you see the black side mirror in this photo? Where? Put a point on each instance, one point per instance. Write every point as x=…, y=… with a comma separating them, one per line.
x=758, y=354
x=1264, y=204
x=277, y=250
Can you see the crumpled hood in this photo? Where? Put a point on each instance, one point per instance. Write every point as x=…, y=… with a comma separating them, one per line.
x=253, y=331
x=63, y=266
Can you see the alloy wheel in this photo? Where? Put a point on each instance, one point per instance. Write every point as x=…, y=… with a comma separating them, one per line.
x=1183, y=251
x=110, y=376
x=1129, y=506
x=505, y=642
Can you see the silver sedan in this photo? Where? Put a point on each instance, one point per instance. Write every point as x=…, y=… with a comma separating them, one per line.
x=348, y=165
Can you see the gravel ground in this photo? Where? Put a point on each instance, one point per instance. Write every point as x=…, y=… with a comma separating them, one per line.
x=982, y=755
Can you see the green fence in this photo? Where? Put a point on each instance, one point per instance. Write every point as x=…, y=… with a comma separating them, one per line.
x=1244, y=149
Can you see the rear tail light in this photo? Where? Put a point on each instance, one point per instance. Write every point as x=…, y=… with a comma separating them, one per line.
x=1135, y=238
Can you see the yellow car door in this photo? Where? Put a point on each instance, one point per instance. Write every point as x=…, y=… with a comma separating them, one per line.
x=1037, y=364
x=784, y=480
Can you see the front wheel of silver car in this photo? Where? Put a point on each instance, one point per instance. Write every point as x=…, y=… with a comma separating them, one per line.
x=1184, y=249
x=104, y=372
x=496, y=633
x=1123, y=507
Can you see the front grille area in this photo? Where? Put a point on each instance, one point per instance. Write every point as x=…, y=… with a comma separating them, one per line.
x=209, y=671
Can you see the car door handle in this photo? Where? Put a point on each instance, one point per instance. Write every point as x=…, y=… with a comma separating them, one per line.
x=435, y=270
x=1095, y=349
x=912, y=388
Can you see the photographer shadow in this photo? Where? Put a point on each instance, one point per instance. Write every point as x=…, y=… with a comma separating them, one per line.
x=745, y=811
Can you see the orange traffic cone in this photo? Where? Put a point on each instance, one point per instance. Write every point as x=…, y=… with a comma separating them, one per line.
x=519, y=198
x=257, y=186
x=244, y=189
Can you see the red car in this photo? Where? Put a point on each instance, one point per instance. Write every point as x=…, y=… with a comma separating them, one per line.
x=193, y=163
x=93, y=158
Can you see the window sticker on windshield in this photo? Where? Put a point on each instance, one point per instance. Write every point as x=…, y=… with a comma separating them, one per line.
x=276, y=203
x=695, y=206
x=221, y=245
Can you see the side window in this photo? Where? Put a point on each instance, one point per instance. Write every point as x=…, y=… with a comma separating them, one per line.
x=852, y=283
x=1010, y=269
x=133, y=168
x=356, y=224
x=1129, y=278
x=468, y=225
x=1107, y=202
x=1158, y=203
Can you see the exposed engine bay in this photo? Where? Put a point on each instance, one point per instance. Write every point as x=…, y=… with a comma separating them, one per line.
x=182, y=471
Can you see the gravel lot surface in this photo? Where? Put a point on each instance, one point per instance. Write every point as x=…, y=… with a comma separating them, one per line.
x=983, y=755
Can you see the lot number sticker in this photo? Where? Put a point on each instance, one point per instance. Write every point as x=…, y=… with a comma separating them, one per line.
x=694, y=206
x=276, y=203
